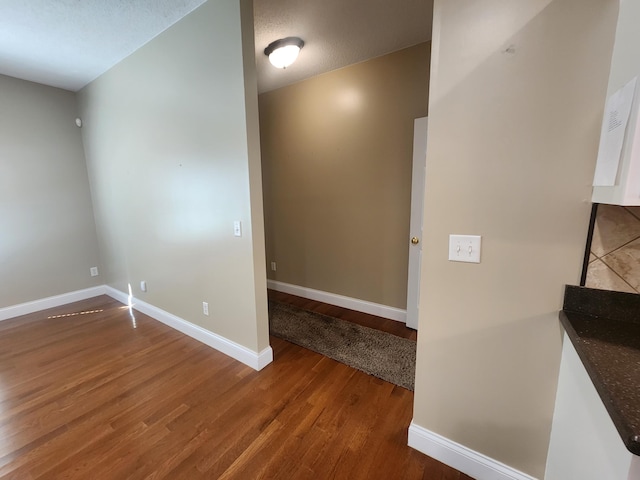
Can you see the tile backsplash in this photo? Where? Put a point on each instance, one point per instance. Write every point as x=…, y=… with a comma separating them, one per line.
x=614, y=263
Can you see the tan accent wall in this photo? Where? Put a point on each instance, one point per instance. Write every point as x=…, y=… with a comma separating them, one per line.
x=48, y=235
x=516, y=102
x=172, y=159
x=337, y=153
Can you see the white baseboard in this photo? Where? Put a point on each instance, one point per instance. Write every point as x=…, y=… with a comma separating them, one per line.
x=461, y=458
x=256, y=360
x=371, y=308
x=49, y=302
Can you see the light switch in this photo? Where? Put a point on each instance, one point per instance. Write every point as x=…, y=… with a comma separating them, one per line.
x=237, y=228
x=464, y=248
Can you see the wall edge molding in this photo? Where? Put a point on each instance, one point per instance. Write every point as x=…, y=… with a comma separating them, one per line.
x=461, y=458
x=255, y=360
x=364, y=306
x=26, y=308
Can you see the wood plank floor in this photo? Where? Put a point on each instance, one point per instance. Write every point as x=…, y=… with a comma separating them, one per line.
x=390, y=326
x=101, y=395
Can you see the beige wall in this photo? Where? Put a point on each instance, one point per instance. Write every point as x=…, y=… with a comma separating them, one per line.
x=337, y=152
x=170, y=136
x=48, y=240
x=517, y=93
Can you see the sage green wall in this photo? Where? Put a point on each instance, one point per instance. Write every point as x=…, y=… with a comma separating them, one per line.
x=170, y=136
x=337, y=156
x=516, y=102
x=48, y=240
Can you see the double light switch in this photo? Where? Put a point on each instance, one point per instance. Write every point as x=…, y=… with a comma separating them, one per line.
x=464, y=248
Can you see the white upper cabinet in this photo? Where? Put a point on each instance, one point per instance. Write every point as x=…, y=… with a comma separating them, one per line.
x=625, y=66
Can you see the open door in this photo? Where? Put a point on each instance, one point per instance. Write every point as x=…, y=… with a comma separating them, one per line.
x=417, y=211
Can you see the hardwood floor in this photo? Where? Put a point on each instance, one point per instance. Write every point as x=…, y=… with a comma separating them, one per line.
x=102, y=395
x=390, y=326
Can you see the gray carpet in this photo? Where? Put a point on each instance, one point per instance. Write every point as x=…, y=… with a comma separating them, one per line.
x=377, y=353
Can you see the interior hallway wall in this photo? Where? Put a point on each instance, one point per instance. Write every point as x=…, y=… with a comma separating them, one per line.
x=48, y=241
x=171, y=137
x=337, y=157
x=516, y=103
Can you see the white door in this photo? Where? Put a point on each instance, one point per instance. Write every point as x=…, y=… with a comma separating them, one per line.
x=417, y=210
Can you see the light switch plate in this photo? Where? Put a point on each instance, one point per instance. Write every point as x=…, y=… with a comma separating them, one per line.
x=465, y=248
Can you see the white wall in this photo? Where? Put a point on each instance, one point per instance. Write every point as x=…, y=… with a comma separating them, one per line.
x=48, y=236
x=585, y=444
x=516, y=99
x=171, y=143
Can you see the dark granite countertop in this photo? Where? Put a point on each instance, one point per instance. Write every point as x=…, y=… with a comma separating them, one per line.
x=604, y=328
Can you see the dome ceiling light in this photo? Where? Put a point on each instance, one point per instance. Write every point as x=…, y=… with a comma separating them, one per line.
x=284, y=52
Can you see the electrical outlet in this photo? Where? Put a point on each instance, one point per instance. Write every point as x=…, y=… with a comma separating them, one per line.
x=205, y=308
x=143, y=285
x=237, y=228
x=93, y=271
x=273, y=266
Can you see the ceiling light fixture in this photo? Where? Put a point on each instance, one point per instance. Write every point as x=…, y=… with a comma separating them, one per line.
x=284, y=52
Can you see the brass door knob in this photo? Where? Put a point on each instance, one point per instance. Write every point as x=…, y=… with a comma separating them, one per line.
x=415, y=240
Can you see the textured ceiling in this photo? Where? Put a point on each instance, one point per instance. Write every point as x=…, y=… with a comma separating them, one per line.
x=68, y=43
x=336, y=33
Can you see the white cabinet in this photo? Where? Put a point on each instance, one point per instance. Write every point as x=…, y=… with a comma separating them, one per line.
x=625, y=65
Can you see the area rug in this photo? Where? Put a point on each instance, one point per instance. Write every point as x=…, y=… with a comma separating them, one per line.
x=377, y=353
